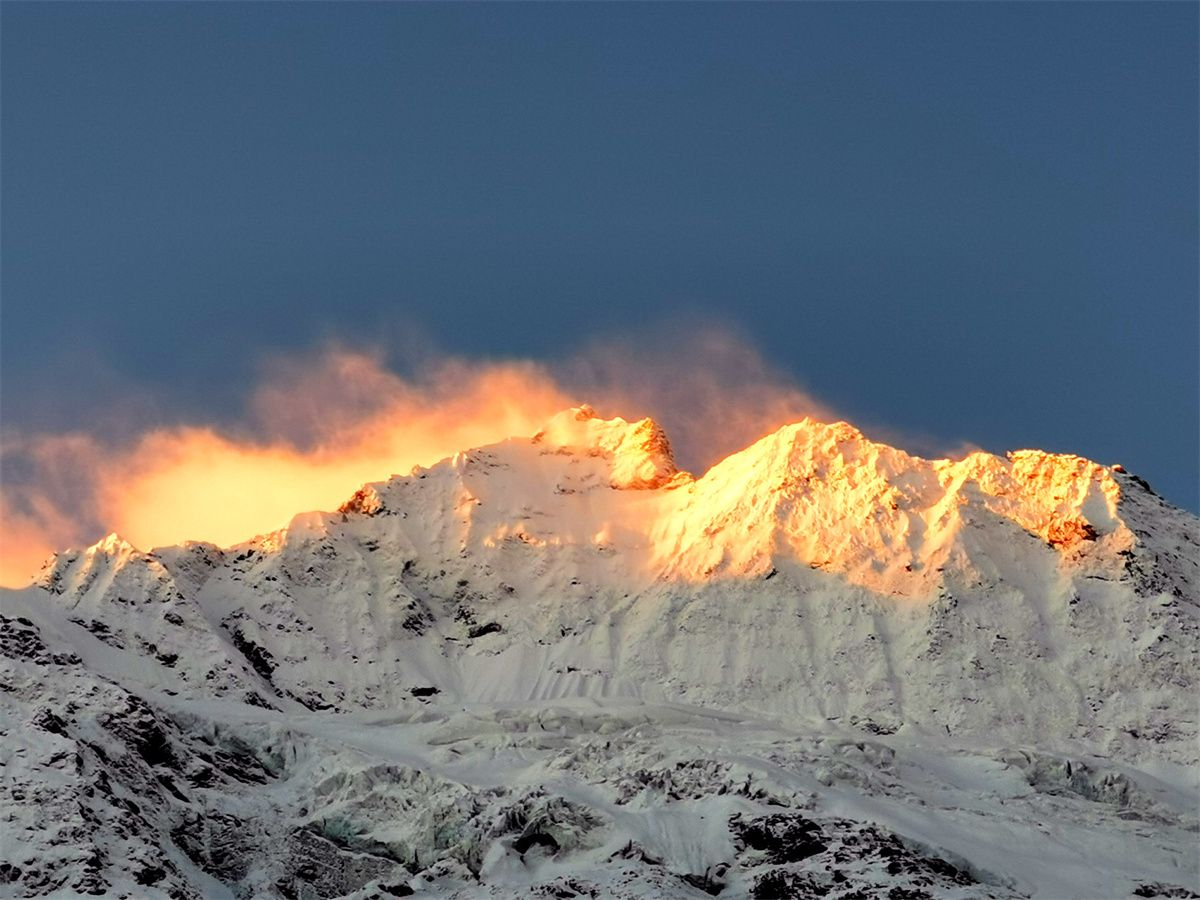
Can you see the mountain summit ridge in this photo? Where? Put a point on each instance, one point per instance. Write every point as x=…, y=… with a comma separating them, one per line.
x=1062, y=498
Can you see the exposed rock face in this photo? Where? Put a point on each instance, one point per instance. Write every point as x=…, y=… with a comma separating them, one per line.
x=365, y=501
x=559, y=666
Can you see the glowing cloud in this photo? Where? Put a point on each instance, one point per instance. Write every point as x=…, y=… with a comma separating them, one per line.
x=708, y=387
x=318, y=426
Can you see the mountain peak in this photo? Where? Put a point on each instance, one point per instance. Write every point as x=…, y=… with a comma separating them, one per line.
x=111, y=544
x=640, y=453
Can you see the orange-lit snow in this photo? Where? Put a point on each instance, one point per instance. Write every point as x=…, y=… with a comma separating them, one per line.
x=814, y=495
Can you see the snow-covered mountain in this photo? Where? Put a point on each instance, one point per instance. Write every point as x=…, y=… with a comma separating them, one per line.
x=559, y=666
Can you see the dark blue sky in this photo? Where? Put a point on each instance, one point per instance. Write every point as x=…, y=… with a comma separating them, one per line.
x=975, y=221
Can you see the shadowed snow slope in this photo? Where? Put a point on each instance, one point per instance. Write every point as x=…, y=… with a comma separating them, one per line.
x=1013, y=639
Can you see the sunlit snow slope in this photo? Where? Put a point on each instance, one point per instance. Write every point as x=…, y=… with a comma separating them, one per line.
x=560, y=664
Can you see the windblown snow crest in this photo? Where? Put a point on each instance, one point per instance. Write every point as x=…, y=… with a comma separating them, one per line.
x=559, y=665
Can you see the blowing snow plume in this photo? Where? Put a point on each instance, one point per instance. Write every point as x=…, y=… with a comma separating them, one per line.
x=317, y=427
x=708, y=387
